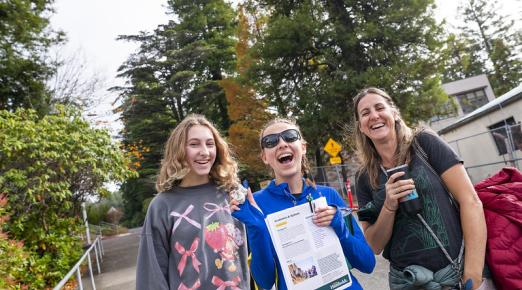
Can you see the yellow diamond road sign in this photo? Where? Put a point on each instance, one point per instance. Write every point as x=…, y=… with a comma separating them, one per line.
x=333, y=148
x=335, y=160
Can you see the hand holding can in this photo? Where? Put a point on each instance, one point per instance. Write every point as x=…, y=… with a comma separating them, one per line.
x=411, y=203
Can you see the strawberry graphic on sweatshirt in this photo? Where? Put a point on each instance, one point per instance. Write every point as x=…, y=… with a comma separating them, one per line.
x=216, y=236
x=222, y=240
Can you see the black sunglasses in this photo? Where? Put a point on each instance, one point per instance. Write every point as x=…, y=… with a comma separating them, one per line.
x=271, y=140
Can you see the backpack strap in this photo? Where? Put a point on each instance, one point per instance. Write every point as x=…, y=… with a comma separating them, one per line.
x=424, y=158
x=457, y=263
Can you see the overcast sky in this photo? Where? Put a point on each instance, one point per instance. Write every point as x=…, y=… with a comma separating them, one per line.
x=93, y=26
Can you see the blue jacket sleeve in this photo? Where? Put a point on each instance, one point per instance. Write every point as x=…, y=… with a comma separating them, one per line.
x=355, y=247
x=262, y=265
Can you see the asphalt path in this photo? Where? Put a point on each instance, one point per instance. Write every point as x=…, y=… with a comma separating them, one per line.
x=118, y=269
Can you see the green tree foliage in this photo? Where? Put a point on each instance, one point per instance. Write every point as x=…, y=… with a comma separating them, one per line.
x=48, y=166
x=494, y=40
x=175, y=72
x=24, y=40
x=12, y=255
x=97, y=212
x=246, y=111
x=463, y=60
x=315, y=55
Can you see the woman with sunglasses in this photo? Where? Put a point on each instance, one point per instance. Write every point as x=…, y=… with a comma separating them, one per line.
x=283, y=149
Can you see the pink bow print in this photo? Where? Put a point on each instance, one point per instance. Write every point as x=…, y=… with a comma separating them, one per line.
x=191, y=252
x=214, y=208
x=184, y=216
x=224, y=284
x=194, y=287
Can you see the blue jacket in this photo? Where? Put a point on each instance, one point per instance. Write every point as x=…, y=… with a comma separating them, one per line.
x=275, y=198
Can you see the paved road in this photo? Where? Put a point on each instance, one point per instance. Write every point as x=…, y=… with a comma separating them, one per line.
x=378, y=279
x=119, y=266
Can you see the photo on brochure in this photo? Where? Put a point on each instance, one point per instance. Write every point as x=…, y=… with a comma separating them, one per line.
x=302, y=270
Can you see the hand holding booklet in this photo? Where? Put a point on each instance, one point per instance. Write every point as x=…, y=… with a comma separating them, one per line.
x=311, y=257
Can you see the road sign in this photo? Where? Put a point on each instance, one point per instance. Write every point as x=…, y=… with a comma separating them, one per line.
x=335, y=160
x=333, y=148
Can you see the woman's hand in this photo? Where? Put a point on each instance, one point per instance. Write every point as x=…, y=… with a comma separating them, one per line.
x=249, y=212
x=397, y=189
x=323, y=216
x=234, y=204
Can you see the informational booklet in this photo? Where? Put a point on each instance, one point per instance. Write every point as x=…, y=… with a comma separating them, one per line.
x=311, y=257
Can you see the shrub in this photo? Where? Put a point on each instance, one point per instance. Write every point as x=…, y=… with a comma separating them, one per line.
x=48, y=166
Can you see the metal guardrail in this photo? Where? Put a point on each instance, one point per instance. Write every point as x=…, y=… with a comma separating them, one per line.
x=99, y=252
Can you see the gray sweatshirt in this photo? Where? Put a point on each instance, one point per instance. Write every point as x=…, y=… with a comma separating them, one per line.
x=190, y=241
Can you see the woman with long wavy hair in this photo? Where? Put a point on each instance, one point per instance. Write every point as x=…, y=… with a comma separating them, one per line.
x=189, y=238
x=425, y=245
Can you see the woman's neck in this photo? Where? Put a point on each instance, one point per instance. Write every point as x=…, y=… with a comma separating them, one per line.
x=295, y=183
x=193, y=180
x=386, y=151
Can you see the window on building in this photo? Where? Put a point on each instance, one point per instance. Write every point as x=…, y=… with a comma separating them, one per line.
x=471, y=100
x=447, y=110
x=507, y=135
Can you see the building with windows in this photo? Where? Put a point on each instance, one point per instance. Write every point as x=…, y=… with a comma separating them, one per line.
x=465, y=96
x=489, y=137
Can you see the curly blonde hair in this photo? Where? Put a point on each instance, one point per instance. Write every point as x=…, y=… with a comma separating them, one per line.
x=369, y=159
x=173, y=165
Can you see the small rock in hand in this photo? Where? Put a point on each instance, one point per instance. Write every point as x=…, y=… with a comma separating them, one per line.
x=239, y=194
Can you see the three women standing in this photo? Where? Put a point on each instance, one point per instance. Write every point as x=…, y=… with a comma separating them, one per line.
x=190, y=240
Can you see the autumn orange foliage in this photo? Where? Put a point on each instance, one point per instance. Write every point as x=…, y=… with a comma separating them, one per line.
x=135, y=153
x=246, y=110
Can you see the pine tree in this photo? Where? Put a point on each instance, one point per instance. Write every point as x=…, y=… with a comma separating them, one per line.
x=463, y=61
x=176, y=72
x=315, y=55
x=493, y=38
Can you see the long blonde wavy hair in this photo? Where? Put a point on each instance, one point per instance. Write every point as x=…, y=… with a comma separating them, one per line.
x=305, y=167
x=174, y=167
x=369, y=159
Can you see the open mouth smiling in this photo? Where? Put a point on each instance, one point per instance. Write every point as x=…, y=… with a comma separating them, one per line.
x=377, y=126
x=285, y=158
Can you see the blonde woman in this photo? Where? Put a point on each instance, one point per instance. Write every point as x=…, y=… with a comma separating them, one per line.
x=284, y=150
x=189, y=238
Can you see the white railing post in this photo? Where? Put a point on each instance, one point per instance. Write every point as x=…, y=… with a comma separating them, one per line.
x=90, y=269
x=99, y=249
x=96, y=255
x=79, y=278
x=101, y=244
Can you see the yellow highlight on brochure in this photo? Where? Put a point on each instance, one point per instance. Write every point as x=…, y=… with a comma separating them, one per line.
x=283, y=223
